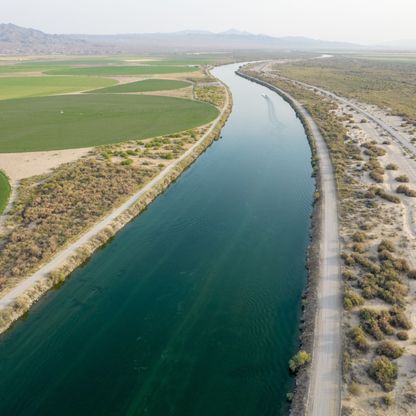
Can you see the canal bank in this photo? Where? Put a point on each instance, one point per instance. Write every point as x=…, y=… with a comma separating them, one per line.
x=193, y=308
x=318, y=387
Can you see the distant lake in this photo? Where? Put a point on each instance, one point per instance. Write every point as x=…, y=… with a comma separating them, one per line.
x=193, y=308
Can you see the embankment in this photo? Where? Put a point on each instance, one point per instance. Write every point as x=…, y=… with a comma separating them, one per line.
x=323, y=281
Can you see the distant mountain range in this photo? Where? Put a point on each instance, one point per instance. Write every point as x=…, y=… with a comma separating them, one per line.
x=195, y=40
x=16, y=40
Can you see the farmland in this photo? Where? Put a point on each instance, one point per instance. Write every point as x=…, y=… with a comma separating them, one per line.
x=144, y=86
x=72, y=121
x=4, y=191
x=18, y=87
x=122, y=70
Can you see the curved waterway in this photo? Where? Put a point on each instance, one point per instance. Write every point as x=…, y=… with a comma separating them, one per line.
x=193, y=308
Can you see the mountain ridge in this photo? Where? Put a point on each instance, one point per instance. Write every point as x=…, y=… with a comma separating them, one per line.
x=17, y=40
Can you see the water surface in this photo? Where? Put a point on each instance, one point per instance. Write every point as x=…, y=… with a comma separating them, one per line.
x=193, y=308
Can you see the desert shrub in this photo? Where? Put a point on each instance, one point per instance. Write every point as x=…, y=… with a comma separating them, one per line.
x=392, y=166
x=127, y=162
x=376, y=176
x=383, y=372
x=385, y=255
x=404, y=189
x=369, y=323
x=402, y=335
x=401, y=265
x=388, y=399
x=388, y=197
x=366, y=263
x=386, y=245
x=402, y=178
x=372, y=150
x=359, y=236
x=348, y=260
x=300, y=359
x=348, y=274
x=359, y=247
x=352, y=299
x=354, y=388
x=383, y=321
x=369, y=291
x=389, y=349
x=411, y=274
x=389, y=296
x=399, y=318
x=359, y=339
x=346, y=362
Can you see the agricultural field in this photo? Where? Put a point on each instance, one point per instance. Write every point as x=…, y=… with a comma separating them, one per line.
x=18, y=87
x=122, y=70
x=144, y=86
x=48, y=111
x=386, y=81
x=4, y=191
x=73, y=121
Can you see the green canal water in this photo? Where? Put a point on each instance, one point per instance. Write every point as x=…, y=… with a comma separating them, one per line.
x=193, y=308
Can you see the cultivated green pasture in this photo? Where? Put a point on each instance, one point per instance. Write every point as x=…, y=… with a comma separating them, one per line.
x=4, y=191
x=19, y=68
x=121, y=70
x=145, y=86
x=16, y=87
x=73, y=121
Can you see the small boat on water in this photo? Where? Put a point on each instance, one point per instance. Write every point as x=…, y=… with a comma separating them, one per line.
x=265, y=96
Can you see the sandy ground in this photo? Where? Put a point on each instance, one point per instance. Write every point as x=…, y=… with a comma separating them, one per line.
x=401, y=229
x=26, y=284
x=23, y=165
x=186, y=92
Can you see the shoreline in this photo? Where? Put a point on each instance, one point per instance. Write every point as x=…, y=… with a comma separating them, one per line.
x=17, y=301
x=302, y=401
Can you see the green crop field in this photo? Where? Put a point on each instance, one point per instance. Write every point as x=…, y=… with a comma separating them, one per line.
x=73, y=121
x=122, y=70
x=4, y=191
x=19, y=68
x=16, y=87
x=145, y=86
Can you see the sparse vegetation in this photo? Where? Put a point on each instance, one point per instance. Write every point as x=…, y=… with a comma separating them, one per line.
x=213, y=94
x=389, y=349
x=404, y=189
x=299, y=360
x=384, y=372
x=359, y=339
x=402, y=178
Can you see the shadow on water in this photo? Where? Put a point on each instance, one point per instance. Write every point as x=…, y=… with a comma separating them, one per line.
x=272, y=113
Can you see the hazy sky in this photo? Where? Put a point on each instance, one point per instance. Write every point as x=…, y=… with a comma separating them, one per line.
x=365, y=21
